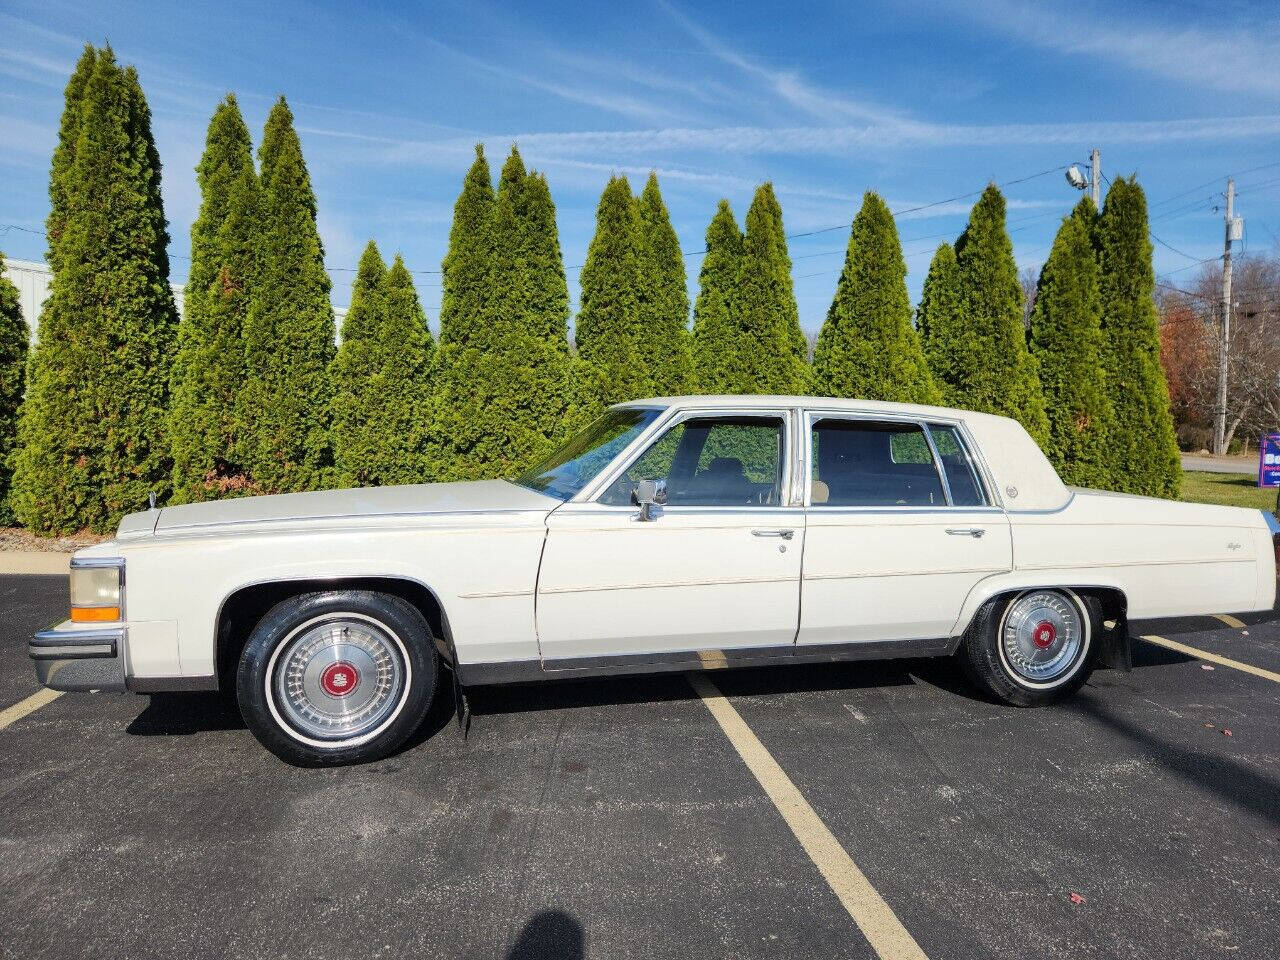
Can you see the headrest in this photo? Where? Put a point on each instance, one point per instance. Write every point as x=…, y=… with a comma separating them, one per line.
x=820, y=493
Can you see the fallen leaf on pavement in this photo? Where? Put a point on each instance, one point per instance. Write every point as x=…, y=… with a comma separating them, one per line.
x=1206, y=666
x=1076, y=898
x=1226, y=732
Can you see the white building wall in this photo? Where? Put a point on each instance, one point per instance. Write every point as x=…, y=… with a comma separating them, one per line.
x=32, y=280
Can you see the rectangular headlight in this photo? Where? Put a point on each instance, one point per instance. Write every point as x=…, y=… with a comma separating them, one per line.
x=97, y=590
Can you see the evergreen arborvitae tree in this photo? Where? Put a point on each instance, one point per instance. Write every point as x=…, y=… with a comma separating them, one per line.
x=62, y=171
x=14, y=340
x=283, y=408
x=355, y=369
x=610, y=334
x=502, y=376
x=982, y=356
x=664, y=293
x=92, y=428
x=553, y=390
x=457, y=420
x=767, y=350
x=940, y=323
x=791, y=310
x=381, y=374
x=1066, y=339
x=208, y=370
x=715, y=314
x=469, y=261
x=868, y=347
x=1144, y=447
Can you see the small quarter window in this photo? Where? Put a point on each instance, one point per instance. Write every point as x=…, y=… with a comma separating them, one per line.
x=962, y=475
x=861, y=463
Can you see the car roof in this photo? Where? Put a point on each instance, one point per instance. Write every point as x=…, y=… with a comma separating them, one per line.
x=752, y=400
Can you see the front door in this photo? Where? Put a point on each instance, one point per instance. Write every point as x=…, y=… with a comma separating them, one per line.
x=900, y=529
x=717, y=571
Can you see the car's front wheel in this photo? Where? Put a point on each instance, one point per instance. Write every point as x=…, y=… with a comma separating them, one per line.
x=1033, y=648
x=343, y=676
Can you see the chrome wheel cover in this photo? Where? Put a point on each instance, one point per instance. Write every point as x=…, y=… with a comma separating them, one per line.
x=337, y=680
x=1043, y=637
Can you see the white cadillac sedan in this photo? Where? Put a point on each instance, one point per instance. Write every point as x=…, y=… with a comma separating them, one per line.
x=672, y=534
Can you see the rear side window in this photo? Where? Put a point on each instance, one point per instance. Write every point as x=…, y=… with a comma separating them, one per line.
x=962, y=475
x=860, y=463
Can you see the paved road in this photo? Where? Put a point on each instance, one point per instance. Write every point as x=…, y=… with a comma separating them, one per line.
x=1191, y=461
x=616, y=819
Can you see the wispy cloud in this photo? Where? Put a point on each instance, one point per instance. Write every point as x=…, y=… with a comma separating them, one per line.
x=1236, y=58
x=788, y=85
x=828, y=140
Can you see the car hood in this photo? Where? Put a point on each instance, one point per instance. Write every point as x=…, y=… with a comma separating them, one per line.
x=478, y=496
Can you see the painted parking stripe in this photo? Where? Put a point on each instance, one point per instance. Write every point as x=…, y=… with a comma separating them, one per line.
x=1230, y=621
x=1212, y=657
x=877, y=921
x=712, y=659
x=11, y=715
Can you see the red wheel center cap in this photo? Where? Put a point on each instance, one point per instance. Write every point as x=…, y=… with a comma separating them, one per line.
x=339, y=679
x=1044, y=634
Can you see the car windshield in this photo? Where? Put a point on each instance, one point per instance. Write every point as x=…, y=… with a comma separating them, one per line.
x=578, y=460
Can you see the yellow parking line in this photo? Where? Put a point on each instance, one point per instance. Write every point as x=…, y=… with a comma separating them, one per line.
x=1231, y=621
x=877, y=921
x=13, y=714
x=713, y=659
x=1213, y=657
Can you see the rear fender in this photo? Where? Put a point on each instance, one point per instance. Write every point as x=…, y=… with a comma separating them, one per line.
x=1113, y=643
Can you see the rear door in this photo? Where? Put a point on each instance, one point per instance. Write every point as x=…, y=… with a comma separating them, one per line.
x=900, y=527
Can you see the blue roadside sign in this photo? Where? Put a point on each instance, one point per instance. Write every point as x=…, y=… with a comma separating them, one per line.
x=1269, y=460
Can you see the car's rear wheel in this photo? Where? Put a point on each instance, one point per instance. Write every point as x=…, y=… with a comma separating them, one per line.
x=1034, y=647
x=343, y=676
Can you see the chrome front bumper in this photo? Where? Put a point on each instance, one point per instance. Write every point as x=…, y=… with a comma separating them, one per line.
x=80, y=659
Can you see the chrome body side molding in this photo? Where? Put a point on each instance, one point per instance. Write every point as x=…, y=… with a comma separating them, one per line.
x=524, y=671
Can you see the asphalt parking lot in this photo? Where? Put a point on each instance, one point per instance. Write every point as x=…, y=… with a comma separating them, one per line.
x=617, y=819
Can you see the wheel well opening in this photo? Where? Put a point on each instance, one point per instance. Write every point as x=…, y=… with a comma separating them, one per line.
x=242, y=611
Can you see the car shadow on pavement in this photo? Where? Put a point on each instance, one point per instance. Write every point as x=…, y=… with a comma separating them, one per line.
x=182, y=714
x=557, y=694
x=1233, y=781
x=549, y=935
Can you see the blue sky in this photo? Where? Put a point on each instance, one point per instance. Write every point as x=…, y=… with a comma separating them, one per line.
x=921, y=100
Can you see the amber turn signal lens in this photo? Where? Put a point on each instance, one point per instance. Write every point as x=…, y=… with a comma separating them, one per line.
x=94, y=614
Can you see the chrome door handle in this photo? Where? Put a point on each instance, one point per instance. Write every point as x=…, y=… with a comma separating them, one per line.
x=974, y=532
x=784, y=534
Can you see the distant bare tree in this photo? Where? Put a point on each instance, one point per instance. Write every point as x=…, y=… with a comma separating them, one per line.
x=1030, y=279
x=1190, y=335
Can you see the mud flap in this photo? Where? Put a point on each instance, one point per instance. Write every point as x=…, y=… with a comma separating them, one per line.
x=1115, y=648
x=461, y=706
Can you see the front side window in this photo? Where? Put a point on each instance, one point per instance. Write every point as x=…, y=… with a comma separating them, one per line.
x=579, y=460
x=860, y=463
x=711, y=462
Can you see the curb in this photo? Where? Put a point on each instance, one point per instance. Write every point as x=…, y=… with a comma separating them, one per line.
x=34, y=562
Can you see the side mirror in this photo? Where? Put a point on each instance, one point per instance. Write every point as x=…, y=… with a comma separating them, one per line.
x=649, y=496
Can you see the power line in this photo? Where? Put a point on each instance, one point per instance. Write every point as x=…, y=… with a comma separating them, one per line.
x=1215, y=180
x=1171, y=247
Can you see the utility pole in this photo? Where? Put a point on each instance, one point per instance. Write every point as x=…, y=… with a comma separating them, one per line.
x=1095, y=176
x=1224, y=347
